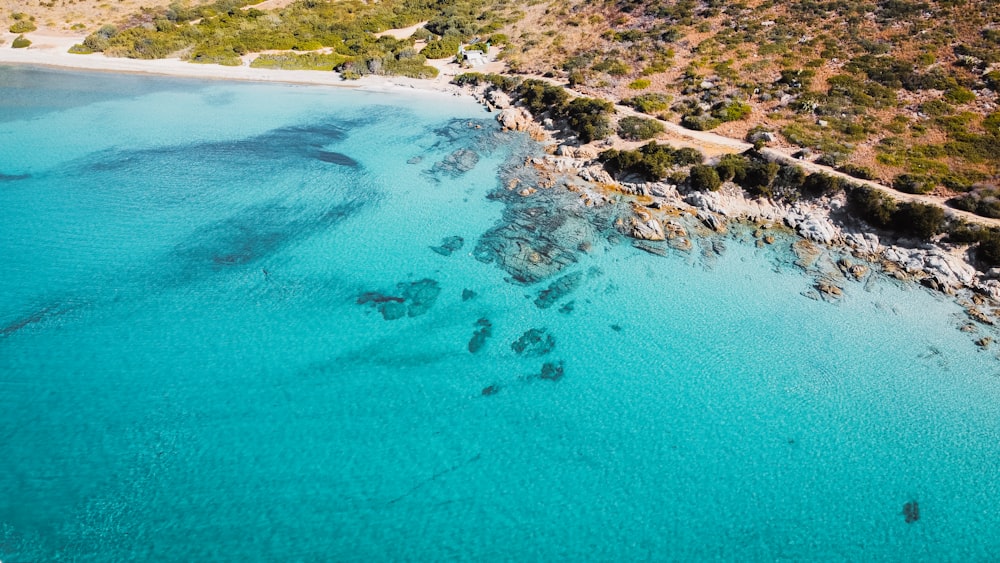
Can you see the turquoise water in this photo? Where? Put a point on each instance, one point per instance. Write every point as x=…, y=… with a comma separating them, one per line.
x=201, y=360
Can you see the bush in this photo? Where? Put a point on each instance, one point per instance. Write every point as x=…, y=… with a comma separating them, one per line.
x=652, y=161
x=442, y=48
x=639, y=129
x=649, y=103
x=731, y=111
x=873, y=206
x=79, y=49
x=818, y=184
x=20, y=42
x=913, y=184
x=732, y=167
x=23, y=26
x=960, y=95
x=639, y=84
x=919, y=219
x=589, y=117
x=704, y=178
x=700, y=122
x=983, y=201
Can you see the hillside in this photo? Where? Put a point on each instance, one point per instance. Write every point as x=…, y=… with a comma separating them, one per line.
x=900, y=91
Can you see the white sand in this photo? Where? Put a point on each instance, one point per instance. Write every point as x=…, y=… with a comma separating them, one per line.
x=51, y=50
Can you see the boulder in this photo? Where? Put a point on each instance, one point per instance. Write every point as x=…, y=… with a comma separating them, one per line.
x=499, y=99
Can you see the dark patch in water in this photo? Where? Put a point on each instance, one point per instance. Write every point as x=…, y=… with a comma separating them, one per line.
x=13, y=177
x=490, y=390
x=484, y=331
x=468, y=294
x=34, y=318
x=567, y=308
x=412, y=299
x=558, y=289
x=457, y=163
x=337, y=158
x=253, y=234
x=533, y=343
x=616, y=328
x=552, y=371
x=305, y=141
x=449, y=245
x=911, y=511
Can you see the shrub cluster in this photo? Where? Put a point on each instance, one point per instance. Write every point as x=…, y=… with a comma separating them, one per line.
x=652, y=162
x=639, y=129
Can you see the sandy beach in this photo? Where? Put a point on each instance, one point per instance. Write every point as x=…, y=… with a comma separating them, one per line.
x=52, y=50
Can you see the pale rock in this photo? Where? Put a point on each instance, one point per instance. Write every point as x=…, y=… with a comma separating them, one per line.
x=499, y=99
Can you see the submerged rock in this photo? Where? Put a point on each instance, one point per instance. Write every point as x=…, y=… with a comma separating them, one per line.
x=533, y=343
x=449, y=245
x=457, y=163
x=490, y=390
x=413, y=299
x=484, y=331
x=558, y=289
x=911, y=511
x=551, y=371
x=468, y=294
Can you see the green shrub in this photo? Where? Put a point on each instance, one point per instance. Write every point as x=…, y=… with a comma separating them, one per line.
x=292, y=61
x=913, y=184
x=919, y=219
x=639, y=84
x=649, y=103
x=443, y=48
x=818, y=184
x=639, y=129
x=20, y=42
x=700, y=122
x=79, y=49
x=731, y=111
x=960, y=95
x=651, y=161
x=704, y=178
x=23, y=26
x=590, y=118
x=732, y=167
x=983, y=201
x=872, y=206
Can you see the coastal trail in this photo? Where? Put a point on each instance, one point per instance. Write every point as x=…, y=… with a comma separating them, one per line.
x=714, y=145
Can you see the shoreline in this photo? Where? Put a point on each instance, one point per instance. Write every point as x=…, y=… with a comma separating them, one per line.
x=51, y=51
x=941, y=268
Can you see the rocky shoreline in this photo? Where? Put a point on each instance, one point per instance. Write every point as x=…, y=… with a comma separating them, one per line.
x=831, y=245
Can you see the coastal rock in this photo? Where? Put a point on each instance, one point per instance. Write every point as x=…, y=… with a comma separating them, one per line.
x=596, y=174
x=641, y=225
x=807, y=253
x=828, y=290
x=551, y=371
x=516, y=119
x=947, y=271
x=812, y=224
x=711, y=220
x=498, y=98
x=707, y=201
x=864, y=243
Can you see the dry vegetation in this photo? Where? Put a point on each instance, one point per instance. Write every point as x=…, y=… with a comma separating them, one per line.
x=879, y=88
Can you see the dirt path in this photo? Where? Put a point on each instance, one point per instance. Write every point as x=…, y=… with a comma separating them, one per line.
x=713, y=144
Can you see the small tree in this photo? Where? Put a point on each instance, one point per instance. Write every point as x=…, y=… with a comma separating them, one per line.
x=704, y=178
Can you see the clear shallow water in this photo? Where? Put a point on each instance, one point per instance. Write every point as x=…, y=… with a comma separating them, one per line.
x=187, y=374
